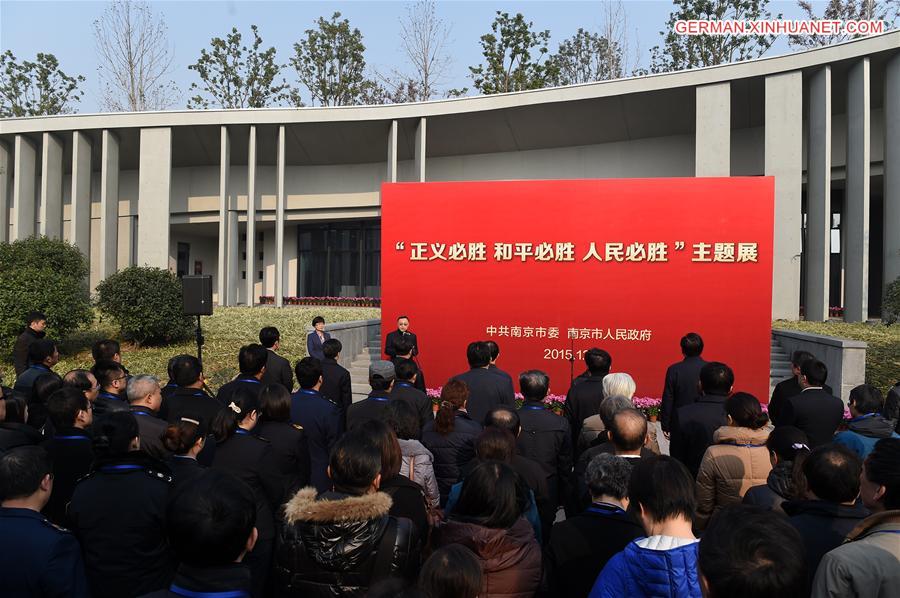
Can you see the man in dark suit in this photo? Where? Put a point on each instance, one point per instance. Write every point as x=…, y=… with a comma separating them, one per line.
x=316, y=338
x=278, y=369
x=583, y=399
x=814, y=410
x=681, y=380
x=34, y=331
x=790, y=387
x=693, y=425
x=486, y=389
x=495, y=355
x=402, y=333
x=320, y=418
x=252, y=361
x=381, y=379
x=336, y=385
x=405, y=390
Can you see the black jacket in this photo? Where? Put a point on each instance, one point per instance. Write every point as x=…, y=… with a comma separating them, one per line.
x=486, y=391
x=408, y=500
x=20, y=349
x=816, y=412
x=451, y=452
x=582, y=498
x=404, y=391
x=778, y=488
x=680, y=388
x=580, y=547
x=321, y=422
x=184, y=469
x=193, y=403
x=250, y=459
x=583, y=401
x=207, y=581
x=372, y=407
x=339, y=545
x=394, y=338
x=242, y=381
x=118, y=514
x=784, y=390
x=107, y=402
x=822, y=526
x=891, y=411
x=693, y=427
x=278, y=371
x=546, y=439
x=25, y=380
x=71, y=452
x=14, y=434
x=535, y=478
x=290, y=452
x=152, y=429
x=336, y=385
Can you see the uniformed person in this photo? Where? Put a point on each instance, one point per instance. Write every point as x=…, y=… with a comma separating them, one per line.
x=39, y=558
x=185, y=439
x=112, y=379
x=252, y=361
x=320, y=418
x=250, y=459
x=145, y=398
x=191, y=399
x=118, y=512
x=70, y=447
x=289, y=446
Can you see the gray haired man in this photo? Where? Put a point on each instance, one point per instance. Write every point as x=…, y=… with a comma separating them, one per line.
x=145, y=398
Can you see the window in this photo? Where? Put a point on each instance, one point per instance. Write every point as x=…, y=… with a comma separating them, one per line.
x=342, y=259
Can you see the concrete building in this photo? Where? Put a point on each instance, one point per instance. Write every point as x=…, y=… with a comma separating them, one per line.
x=171, y=189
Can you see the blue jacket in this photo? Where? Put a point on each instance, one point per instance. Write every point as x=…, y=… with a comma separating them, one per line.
x=863, y=432
x=322, y=424
x=644, y=573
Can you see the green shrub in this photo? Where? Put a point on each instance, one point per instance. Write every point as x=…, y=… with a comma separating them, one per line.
x=46, y=275
x=890, y=307
x=146, y=305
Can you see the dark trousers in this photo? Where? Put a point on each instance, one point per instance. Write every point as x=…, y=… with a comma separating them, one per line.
x=259, y=561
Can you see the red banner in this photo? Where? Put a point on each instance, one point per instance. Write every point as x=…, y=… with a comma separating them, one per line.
x=549, y=269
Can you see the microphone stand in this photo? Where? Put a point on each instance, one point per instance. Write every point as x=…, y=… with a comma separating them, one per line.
x=571, y=361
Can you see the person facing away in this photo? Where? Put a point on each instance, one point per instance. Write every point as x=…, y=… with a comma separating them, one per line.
x=867, y=564
x=340, y=542
x=290, y=449
x=680, y=388
x=170, y=386
x=693, y=426
x=401, y=334
x=316, y=339
x=336, y=385
x=212, y=528
x=786, y=445
x=593, y=430
x=406, y=389
x=107, y=350
x=452, y=571
x=831, y=509
x=40, y=559
x=486, y=390
x=404, y=349
x=580, y=546
x=664, y=563
x=184, y=439
x=814, y=410
x=113, y=382
x=417, y=462
x=43, y=354
x=319, y=417
x=790, y=387
x=749, y=551
x=145, y=397
x=191, y=399
x=278, y=369
x=736, y=461
x=586, y=393
x=494, y=348
x=118, y=513
x=13, y=429
x=44, y=386
x=252, y=360
x=381, y=379
x=35, y=329
x=867, y=426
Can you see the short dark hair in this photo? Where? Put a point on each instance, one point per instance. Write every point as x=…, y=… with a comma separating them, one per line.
x=691, y=344
x=268, y=336
x=597, y=361
x=608, y=475
x=105, y=349
x=534, y=384
x=114, y=432
x=16, y=408
x=832, y=473
x=404, y=346
x=492, y=495
x=210, y=521
x=354, y=463
x=504, y=418
x=79, y=379
x=716, y=378
x=628, y=430
x=452, y=571
x=40, y=350
x=799, y=357
x=402, y=417
x=187, y=369
x=331, y=348
x=815, y=371
x=44, y=386
x=308, y=371
x=883, y=468
x=748, y=551
x=106, y=371
x=275, y=403
x=406, y=369
x=170, y=368
x=867, y=399
x=63, y=406
x=664, y=487
x=494, y=348
x=34, y=316
x=318, y=320
x=402, y=318
x=21, y=471
x=478, y=354
x=252, y=359
x=746, y=411
x=495, y=444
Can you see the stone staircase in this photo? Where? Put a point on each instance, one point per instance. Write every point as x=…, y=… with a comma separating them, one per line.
x=359, y=372
x=779, y=365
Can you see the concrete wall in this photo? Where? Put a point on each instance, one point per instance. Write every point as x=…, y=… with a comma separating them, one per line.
x=844, y=358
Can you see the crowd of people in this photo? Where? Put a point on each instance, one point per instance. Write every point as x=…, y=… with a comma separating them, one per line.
x=116, y=484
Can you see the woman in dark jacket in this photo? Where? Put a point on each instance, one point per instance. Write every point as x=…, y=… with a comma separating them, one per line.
x=344, y=540
x=488, y=521
x=185, y=439
x=289, y=448
x=250, y=459
x=13, y=430
x=451, y=436
x=786, y=445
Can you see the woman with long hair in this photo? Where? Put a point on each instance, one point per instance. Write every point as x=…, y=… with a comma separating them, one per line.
x=417, y=461
x=288, y=441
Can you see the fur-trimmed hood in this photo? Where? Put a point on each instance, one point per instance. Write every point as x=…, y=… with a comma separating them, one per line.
x=305, y=507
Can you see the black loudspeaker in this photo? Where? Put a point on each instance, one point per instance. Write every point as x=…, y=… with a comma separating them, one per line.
x=197, y=295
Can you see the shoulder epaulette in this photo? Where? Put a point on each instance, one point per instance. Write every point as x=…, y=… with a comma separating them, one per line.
x=58, y=528
x=158, y=475
x=297, y=427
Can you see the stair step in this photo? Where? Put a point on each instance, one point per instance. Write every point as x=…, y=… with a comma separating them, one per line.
x=373, y=350
x=360, y=363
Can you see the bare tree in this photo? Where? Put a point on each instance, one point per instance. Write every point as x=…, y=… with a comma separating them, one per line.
x=135, y=58
x=844, y=10
x=424, y=37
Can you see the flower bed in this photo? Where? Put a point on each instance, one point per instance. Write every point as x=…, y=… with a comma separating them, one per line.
x=554, y=403
x=649, y=405
x=327, y=301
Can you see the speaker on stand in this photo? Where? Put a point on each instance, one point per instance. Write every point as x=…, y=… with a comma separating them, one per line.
x=196, y=300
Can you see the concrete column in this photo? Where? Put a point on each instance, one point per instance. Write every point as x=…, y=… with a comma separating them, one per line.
x=891, y=170
x=23, y=188
x=818, y=196
x=81, y=192
x=109, y=204
x=224, y=173
x=783, y=160
x=234, y=268
x=855, y=220
x=392, y=153
x=279, y=222
x=420, y=150
x=712, y=141
x=251, y=217
x=291, y=260
x=4, y=192
x=154, y=190
x=51, y=186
